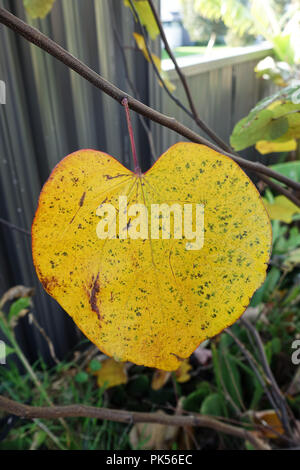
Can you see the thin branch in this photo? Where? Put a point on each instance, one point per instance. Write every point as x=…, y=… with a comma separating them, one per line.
x=49, y=433
x=122, y=416
x=15, y=227
x=32, y=319
x=277, y=394
x=280, y=189
x=156, y=70
x=182, y=77
x=52, y=48
x=255, y=369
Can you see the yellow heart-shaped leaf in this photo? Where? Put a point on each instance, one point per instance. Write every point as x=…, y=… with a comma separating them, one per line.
x=143, y=299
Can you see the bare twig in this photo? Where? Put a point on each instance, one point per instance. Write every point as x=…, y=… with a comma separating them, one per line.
x=255, y=368
x=181, y=75
x=49, y=433
x=279, y=189
x=52, y=48
x=32, y=319
x=15, y=293
x=157, y=72
x=15, y=227
x=122, y=416
x=277, y=394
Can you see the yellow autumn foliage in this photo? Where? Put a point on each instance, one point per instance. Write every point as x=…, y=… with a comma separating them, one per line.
x=182, y=373
x=146, y=16
x=112, y=373
x=38, y=8
x=281, y=209
x=265, y=146
x=151, y=301
x=140, y=41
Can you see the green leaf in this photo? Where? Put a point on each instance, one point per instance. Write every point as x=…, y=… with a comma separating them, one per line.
x=194, y=400
x=272, y=347
x=38, y=8
x=227, y=374
x=286, y=244
x=283, y=48
x=95, y=365
x=81, y=377
x=213, y=405
x=231, y=377
x=288, y=169
x=292, y=260
x=17, y=306
x=277, y=128
x=139, y=386
x=271, y=281
x=292, y=295
x=264, y=292
x=275, y=118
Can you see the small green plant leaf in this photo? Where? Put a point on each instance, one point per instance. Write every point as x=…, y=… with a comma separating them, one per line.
x=213, y=405
x=194, y=400
x=81, y=377
x=288, y=169
x=95, y=365
x=17, y=306
x=275, y=118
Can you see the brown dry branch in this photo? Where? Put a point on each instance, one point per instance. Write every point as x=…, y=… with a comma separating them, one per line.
x=286, y=414
x=183, y=80
x=130, y=417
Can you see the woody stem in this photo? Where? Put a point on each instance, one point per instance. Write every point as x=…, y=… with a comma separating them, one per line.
x=137, y=169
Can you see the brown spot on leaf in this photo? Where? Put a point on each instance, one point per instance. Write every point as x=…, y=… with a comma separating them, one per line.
x=178, y=357
x=82, y=199
x=93, y=296
x=49, y=283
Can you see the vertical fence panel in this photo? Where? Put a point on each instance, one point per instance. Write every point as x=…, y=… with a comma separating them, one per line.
x=224, y=90
x=51, y=112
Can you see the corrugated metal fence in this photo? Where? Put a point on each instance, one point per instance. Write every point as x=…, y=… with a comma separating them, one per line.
x=223, y=89
x=51, y=112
